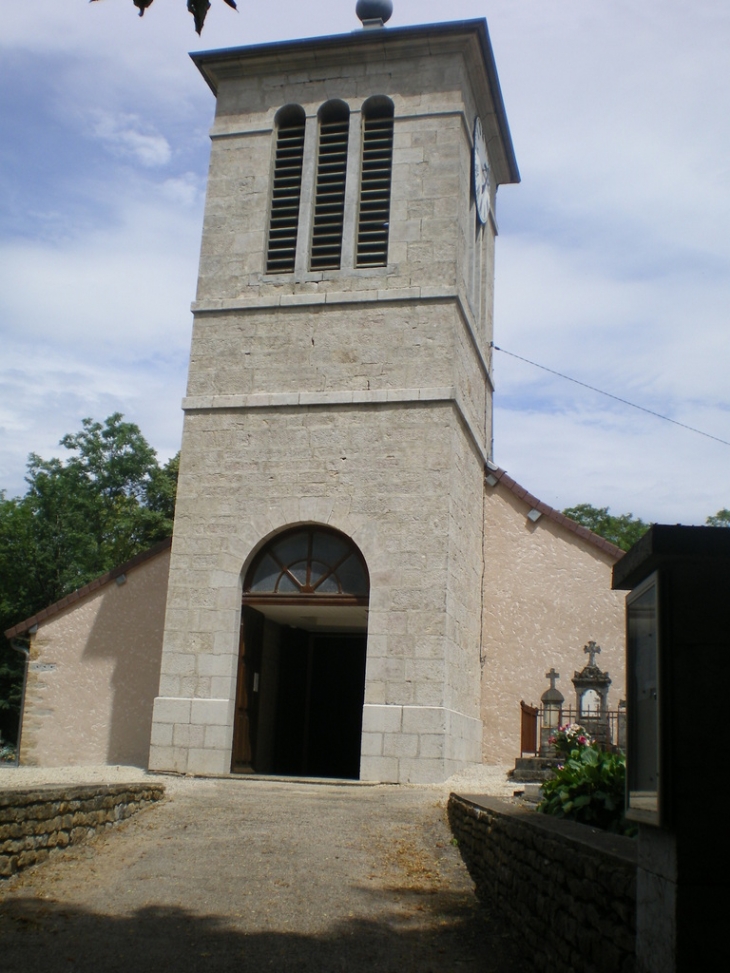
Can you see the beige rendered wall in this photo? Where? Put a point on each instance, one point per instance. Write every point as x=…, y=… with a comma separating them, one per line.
x=93, y=674
x=547, y=593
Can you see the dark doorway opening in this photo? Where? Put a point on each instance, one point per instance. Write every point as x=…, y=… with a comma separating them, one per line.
x=300, y=699
x=319, y=712
x=301, y=674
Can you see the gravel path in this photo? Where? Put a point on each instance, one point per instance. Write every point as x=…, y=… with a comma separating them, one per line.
x=251, y=875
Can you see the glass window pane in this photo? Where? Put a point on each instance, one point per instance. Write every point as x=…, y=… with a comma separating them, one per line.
x=266, y=574
x=329, y=586
x=287, y=586
x=299, y=570
x=292, y=548
x=352, y=577
x=328, y=548
x=318, y=570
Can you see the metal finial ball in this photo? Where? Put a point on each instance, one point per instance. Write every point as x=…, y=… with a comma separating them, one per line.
x=374, y=10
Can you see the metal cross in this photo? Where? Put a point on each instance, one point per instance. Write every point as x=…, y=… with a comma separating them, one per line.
x=552, y=676
x=593, y=650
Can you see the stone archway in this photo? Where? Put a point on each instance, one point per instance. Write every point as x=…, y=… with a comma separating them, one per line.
x=301, y=672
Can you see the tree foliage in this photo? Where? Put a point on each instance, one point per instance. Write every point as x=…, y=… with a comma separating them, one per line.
x=720, y=519
x=198, y=8
x=623, y=531
x=109, y=500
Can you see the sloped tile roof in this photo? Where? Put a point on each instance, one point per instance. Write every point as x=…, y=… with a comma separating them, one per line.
x=552, y=514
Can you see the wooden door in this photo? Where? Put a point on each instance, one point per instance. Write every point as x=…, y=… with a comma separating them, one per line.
x=528, y=728
x=247, y=695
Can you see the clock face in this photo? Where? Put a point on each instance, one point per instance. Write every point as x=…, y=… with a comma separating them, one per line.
x=481, y=172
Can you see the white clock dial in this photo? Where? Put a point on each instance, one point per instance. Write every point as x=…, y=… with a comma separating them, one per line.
x=481, y=172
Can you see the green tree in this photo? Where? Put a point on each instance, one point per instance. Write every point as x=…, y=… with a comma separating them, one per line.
x=108, y=501
x=623, y=531
x=720, y=519
x=198, y=8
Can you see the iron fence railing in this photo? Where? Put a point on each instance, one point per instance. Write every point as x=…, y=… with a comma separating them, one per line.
x=607, y=729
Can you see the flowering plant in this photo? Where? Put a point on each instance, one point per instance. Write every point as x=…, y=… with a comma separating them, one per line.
x=571, y=737
x=590, y=788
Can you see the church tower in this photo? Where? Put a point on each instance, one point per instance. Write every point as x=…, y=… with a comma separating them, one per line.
x=325, y=592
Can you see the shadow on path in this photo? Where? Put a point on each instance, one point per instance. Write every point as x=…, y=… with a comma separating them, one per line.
x=434, y=933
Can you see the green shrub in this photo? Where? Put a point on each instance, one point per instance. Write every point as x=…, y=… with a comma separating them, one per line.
x=590, y=788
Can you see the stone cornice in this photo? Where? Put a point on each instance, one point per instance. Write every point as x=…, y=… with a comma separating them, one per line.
x=447, y=395
x=470, y=38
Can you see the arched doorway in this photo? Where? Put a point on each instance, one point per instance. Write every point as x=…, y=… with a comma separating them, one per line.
x=301, y=673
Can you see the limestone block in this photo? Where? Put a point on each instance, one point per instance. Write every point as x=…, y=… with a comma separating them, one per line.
x=207, y=761
x=222, y=686
x=167, y=710
x=173, y=759
x=424, y=719
x=381, y=719
x=372, y=744
x=211, y=712
x=400, y=744
x=431, y=746
x=421, y=770
x=384, y=769
x=161, y=734
x=217, y=664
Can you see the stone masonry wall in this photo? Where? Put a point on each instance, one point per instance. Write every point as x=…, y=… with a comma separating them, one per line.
x=33, y=823
x=568, y=891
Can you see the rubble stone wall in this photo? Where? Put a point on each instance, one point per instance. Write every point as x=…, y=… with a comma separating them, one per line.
x=33, y=823
x=567, y=890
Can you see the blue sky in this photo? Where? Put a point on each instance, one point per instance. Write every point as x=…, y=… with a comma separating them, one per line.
x=613, y=261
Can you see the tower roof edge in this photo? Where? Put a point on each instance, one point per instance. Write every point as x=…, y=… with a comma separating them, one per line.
x=217, y=65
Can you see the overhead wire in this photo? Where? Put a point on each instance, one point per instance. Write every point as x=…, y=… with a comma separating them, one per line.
x=610, y=395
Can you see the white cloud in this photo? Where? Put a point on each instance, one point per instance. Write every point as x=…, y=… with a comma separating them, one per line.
x=121, y=133
x=186, y=189
x=125, y=287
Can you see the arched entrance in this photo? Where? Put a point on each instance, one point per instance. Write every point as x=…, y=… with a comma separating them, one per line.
x=301, y=673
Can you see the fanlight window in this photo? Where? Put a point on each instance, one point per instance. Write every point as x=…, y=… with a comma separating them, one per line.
x=308, y=561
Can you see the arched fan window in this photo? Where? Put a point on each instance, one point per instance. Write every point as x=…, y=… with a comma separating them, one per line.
x=377, y=167
x=329, y=200
x=308, y=562
x=286, y=192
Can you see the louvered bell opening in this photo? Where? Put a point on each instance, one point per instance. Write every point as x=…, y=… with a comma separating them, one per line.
x=329, y=206
x=377, y=167
x=284, y=222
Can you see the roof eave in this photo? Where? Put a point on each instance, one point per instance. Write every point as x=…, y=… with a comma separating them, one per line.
x=209, y=63
x=554, y=515
x=22, y=628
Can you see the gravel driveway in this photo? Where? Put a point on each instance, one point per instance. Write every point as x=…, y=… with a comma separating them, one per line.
x=252, y=875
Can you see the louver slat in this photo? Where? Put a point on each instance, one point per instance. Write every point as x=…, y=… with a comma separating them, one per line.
x=285, y=196
x=329, y=206
x=377, y=167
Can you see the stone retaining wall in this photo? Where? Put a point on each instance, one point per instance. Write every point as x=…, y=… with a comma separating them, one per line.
x=35, y=822
x=568, y=891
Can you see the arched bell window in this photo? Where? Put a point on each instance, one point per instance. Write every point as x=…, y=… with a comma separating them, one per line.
x=329, y=198
x=286, y=191
x=377, y=170
x=313, y=563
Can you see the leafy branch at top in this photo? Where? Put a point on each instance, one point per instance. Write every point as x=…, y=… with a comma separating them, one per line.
x=198, y=8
